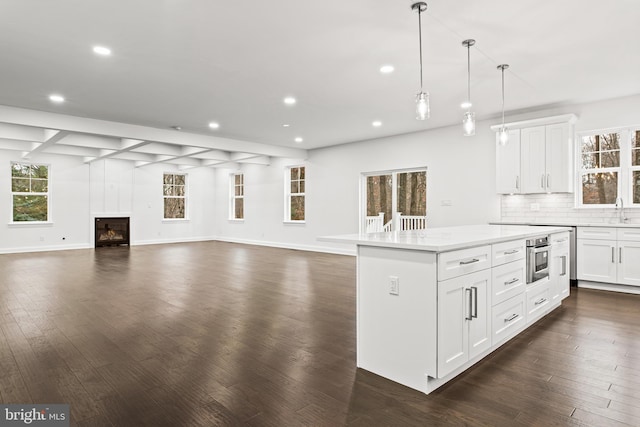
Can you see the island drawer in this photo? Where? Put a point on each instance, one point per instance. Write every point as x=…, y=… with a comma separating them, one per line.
x=507, y=281
x=508, y=251
x=597, y=233
x=463, y=261
x=538, y=301
x=508, y=318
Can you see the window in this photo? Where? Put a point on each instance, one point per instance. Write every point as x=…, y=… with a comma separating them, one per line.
x=395, y=200
x=175, y=195
x=295, y=193
x=237, y=196
x=29, y=192
x=610, y=167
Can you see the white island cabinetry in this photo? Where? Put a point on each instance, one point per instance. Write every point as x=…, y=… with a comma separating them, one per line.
x=431, y=303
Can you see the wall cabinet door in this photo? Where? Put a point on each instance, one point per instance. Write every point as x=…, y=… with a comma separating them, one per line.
x=559, y=158
x=596, y=260
x=532, y=159
x=464, y=327
x=629, y=263
x=508, y=164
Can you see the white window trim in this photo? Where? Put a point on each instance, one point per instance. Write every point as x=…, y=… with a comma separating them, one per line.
x=185, y=197
x=49, y=220
x=625, y=170
x=233, y=197
x=288, y=194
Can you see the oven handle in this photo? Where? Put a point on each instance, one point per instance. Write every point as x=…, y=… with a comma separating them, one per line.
x=537, y=250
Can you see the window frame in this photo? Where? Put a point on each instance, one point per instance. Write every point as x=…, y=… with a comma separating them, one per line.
x=288, y=194
x=233, y=196
x=625, y=170
x=185, y=196
x=46, y=194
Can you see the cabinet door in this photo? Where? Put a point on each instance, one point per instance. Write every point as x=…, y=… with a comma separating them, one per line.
x=559, y=158
x=454, y=311
x=596, y=260
x=508, y=164
x=629, y=263
x=559, y=267
x=464, y=326
x=532, y=160
x=480, y=323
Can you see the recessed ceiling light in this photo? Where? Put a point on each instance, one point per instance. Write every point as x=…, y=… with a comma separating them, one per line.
x=298, y=139
x=289, y=100
x=286, y=125
x=466, y=104
x=101, y=50
x=176, y=127
x=376, y=124
x=56, y=98
x=386, y=69
x=214, y=125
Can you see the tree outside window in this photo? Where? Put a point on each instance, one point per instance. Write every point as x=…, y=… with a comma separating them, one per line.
x=295, y=194
x=30, y=192
x=174, y=192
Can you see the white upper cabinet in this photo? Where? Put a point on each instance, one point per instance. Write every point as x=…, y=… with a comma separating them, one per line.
x=508, y=164
x=538, y=158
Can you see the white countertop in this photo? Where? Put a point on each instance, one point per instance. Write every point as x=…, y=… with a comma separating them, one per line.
x=446, y=238
x=568, y=224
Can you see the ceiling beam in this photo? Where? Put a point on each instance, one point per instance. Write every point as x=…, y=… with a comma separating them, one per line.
x=51, y=137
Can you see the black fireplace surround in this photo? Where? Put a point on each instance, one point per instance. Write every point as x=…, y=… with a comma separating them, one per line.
x=112, y=231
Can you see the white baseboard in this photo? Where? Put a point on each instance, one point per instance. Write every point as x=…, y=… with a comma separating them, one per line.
x=45, y=248
x=629, y=289
x=166, y=241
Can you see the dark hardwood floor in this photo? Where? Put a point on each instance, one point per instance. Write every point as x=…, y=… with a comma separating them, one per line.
x=213, y=333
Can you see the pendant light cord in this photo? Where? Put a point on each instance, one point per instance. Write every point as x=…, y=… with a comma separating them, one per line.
x=420, y=43
x=502, y=97
x=469, y=75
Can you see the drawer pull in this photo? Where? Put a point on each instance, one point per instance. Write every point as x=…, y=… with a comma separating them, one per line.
x=471, y=261
x=540, y=301
x=514, y=251
x=512, y=281
x=510, y=318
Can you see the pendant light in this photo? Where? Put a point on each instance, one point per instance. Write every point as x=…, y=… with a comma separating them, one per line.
x=469, y=120
x=503, y=135
x=423, y=111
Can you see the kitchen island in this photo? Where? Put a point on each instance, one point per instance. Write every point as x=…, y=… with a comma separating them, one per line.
x=431, y=303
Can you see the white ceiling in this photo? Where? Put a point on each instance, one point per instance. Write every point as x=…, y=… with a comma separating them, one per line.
x=186, y=63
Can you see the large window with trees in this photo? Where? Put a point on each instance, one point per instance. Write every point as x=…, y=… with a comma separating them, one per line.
x=236, y=189
x=175, y=195
x=295, y=194
x=29, y=192
x=609, y=167
x=395, y=200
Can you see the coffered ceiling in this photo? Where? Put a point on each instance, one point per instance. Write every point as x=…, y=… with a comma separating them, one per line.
x=189, y=63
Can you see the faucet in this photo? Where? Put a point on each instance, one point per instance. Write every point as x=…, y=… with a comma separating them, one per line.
x=622, y=218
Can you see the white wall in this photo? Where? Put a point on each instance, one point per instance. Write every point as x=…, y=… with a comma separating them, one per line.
x=460, y=169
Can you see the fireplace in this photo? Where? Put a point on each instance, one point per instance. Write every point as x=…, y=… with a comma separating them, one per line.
x=112, y=231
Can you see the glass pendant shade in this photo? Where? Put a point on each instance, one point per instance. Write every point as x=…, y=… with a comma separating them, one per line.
x=469, y=123
x=503, y=136
x=423, y=111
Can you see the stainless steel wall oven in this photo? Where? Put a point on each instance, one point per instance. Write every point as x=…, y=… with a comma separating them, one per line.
x=537, y=258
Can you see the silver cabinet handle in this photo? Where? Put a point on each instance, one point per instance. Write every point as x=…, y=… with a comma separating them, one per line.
x=470, y=316
x=542, y=181
x=470, y=261
x=540, y=301
x=515, y=251
x=620, y=256
x=512, y=281
x=613, y=254
x=517, y=182
x=548, y=181
x=564, y=266
x=510, y=318
x=474, y=291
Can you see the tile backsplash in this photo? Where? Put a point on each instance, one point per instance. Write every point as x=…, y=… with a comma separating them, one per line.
x=559, y=208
